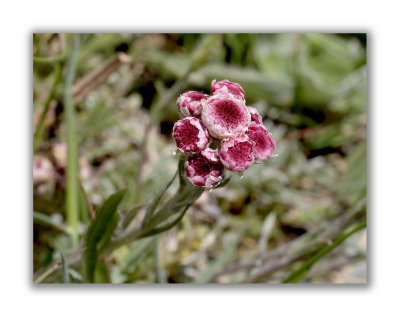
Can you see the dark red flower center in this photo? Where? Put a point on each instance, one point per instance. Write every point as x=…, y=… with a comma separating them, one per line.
x=240, y=153
x=186, y=133
x=260, y=137
x=227, y=113
x=204, y=166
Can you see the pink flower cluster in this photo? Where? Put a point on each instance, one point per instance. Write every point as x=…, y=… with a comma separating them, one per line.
x=224, y=120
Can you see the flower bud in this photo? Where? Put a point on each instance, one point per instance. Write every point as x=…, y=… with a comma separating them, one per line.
x=236, y=153
x=224, y=116
x=264, y=144
x=204, y=169
x=189, y=103
x=190, y=135
x=226, y=86
x=255, y=116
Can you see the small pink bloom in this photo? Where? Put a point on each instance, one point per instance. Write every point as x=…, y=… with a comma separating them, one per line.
x=226, y=86
x=224, y=116
x=255, y=116
x=190, y=135
x=43, y=170
x=189, y=103
x=204, y=169
x=264, y=144
x=236, y=153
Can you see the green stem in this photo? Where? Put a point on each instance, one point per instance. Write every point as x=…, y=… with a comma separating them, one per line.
x=297, y=275
x=72, y=203
x=151, y=208
x=40, y=128
x=166, y=227
x=185, y=196
x=50, y=59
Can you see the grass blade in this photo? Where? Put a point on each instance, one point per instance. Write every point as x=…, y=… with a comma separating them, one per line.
x=150, y=209
x=298, y=275
x=50, y=59
x=167, y=226
x=44, y=220
x=131, y=214
x=40, y=127
x=72, y=198
x=65, y=275
x=100, y=232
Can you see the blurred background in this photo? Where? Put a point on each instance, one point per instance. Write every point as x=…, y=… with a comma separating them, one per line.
x=310, y=90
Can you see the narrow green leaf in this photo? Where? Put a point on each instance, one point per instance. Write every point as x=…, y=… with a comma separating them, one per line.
x=100, y=273
x=44, y=220
x=156, y=201
x=50, y=96
x=99, y=234
x=185, y=195
x=131, y=214
x=298, y=275
x=167, y=226
x=50, y=59
x=65, y=274
x=108, y=232
x=83, y=206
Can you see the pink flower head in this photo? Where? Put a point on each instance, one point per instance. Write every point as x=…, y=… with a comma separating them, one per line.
x=224, y=116
x=189, y=103
x=226, y=86
x=236, y=153
x=264, y=144
x=205, y=168
x=190, y=135
x=255, y=116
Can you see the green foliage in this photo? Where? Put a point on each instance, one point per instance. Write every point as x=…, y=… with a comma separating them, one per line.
x=299, y=274
x=100, y=232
